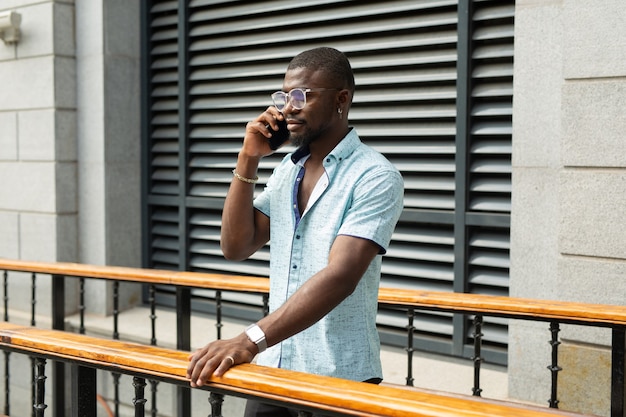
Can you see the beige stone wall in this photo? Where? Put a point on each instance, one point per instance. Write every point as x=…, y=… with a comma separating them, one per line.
x=569, y=188
x=37, y=139
x=70, y=139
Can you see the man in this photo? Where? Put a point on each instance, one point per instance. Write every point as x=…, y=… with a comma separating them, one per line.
x=329, y=210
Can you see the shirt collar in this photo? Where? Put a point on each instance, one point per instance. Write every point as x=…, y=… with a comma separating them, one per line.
x=343, y=149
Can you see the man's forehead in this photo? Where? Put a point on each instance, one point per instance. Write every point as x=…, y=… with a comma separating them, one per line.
x=304, y=77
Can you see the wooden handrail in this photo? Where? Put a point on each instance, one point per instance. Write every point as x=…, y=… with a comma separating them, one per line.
x=298, y=389
x=148, y=276
x=525, y=308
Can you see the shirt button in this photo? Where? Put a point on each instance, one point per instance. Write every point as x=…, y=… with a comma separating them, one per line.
x=328, y=160
x=297, y=236
x=295, y=267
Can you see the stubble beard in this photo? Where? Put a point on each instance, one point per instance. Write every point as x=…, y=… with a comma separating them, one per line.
x=303, y=139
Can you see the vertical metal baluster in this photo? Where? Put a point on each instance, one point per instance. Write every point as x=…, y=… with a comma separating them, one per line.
x=554, y=367
x=7, y=354
x=153, y=390
x=218, y=313
x=116, y=309
x=81, y=306
x=116, y=393
x=5, y=285
x=153, y=316
x=139, y=401
x=33, y=360
x=409, y=348
x=33, y=298
x=40, y=391
x=478, y=339
x=153, y=342
x=33, y=386
x=618, y=364
x=216, y=400
x=116, y=335
x=266, y=304
x=7, y=384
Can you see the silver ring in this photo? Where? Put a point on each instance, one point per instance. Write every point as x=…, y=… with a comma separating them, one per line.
x=232, y=360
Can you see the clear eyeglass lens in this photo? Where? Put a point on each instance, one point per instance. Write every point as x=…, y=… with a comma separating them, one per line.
x=296, y=97
x=280, y=100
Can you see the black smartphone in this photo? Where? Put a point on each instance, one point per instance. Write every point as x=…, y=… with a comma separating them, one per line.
x=279, y=136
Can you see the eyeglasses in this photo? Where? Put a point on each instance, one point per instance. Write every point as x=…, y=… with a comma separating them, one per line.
x=297, y=97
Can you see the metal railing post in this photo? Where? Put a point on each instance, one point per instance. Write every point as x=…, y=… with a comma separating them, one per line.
x=58, y=368
x=618, y=365
x=183, y=342
x=83, y=392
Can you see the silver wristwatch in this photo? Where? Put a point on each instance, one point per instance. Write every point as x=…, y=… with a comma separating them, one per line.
x=256, y=336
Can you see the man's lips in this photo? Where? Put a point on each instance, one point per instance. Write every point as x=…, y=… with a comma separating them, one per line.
x=293, y=124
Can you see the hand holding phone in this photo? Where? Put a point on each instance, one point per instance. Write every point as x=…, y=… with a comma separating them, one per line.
x=279, y=136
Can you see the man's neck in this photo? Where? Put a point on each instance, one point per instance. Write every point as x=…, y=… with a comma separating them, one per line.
x=321, y=148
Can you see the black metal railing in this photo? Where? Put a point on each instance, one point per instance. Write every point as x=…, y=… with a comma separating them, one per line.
x=552, y=313
x=305, y=392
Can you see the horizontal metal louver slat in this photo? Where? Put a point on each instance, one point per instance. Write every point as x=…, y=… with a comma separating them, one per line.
x=164, y=238
x=420, y=257
x=489, y=261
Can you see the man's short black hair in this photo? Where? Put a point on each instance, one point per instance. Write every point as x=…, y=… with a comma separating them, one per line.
x=330, y=60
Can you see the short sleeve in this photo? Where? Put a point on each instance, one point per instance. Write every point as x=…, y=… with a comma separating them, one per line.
x=376, y=207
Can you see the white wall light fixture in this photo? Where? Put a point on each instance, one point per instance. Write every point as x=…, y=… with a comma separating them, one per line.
x=10, y=27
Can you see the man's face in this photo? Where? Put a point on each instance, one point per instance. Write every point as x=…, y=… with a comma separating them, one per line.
x=320, y=111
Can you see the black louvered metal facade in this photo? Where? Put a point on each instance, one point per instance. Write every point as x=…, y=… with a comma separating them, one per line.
x=434, y=94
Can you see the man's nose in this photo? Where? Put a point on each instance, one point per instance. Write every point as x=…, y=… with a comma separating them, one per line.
x=288, y=109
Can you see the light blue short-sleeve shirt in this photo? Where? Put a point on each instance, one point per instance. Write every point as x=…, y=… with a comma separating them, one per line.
x=361, y=195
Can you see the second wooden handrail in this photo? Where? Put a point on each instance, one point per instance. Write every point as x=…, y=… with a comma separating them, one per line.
x=297, y=389
x=534, y=309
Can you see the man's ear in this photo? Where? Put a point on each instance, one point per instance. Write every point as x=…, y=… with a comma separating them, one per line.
x=344, y=98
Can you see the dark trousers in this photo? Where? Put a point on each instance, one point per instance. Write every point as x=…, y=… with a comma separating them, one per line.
x=258, y=409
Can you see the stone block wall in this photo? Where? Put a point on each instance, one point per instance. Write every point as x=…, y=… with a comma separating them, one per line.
x=70, y=140
x=569, y=187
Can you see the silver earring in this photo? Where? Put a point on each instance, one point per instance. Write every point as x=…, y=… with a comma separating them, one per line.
x=340, y=112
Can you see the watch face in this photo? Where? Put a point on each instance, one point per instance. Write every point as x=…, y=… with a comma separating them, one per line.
x=256, y=336
x=255, y=333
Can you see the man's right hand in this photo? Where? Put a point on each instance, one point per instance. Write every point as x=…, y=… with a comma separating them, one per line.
x=256, y=140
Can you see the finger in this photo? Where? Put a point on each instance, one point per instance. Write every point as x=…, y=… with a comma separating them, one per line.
x=274, y=112
x=273, y=115
x=277, y=118
x=203, y=372
x=200, y=366
x=193, y=360
x=192, y=364
x=260, y=127
x=227, y=363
